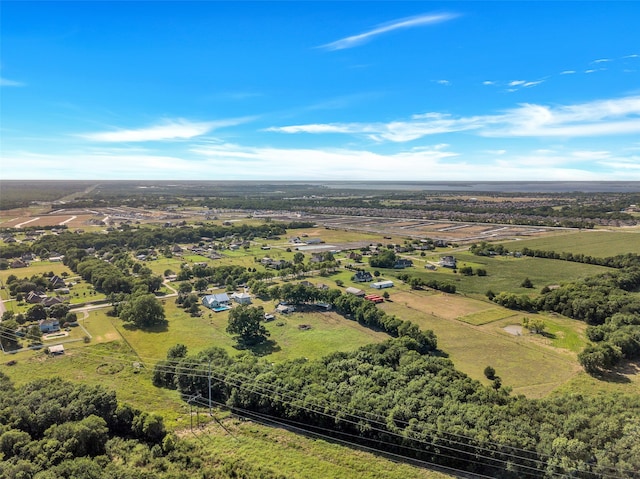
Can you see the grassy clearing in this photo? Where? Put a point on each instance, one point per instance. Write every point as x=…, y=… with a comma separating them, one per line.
x=326, y=333
x=298, y=456
x=486, y=316
x=531, y=367
x=331, y=236
x=107, y=364
x=600, y=244
x=625, y=379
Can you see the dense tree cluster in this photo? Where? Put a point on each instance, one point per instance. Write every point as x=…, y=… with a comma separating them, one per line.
x=245, y=322
x=392, y=397
x=418, y=283
x=141, y=238
x=52, y=429
x=142, y=310
x=50, y=423
x=384, y=259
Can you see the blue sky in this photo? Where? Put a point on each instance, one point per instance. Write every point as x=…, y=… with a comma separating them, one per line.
x=421, y=91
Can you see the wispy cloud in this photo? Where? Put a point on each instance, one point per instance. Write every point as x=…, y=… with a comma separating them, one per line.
x=619, y=116
x=601, y=60
x=7, y=82
x=488, y=82
x=179, y=129
x=410, y=22
x=443, y=82
x=568, y=72
x=397, y=131
x=234, y=161
x=515, y=85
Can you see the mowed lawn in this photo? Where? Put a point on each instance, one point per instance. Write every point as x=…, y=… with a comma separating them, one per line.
x=310, y=335
x=531, y=365
x=599, y=244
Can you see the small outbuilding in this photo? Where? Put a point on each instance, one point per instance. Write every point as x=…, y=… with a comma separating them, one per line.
x=56, y=350
x=382, y=284
x=242, y=298
x=354, y=291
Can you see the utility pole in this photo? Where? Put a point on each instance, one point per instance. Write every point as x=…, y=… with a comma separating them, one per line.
x=210, y=414
x=192, y=398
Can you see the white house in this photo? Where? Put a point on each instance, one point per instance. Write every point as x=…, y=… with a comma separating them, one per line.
x=49, y=325
x=382, y=284
x=214, y=301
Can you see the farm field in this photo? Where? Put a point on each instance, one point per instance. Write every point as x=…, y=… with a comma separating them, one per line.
x=599, y=244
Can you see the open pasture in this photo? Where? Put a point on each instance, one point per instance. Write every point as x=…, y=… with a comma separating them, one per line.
x=528, y=364
x=599, y=244
x=506, y=273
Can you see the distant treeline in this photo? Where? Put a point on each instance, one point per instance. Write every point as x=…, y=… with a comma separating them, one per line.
x=575, y=210
x=140, y=238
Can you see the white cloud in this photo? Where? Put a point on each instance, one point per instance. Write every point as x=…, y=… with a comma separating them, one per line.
x=568, y=72
x=591, y=155
x=516, y=84
x=227, y=161
x=327, y=163
x=396, y=131
x=601, y=117
x=410, y=22
x=624, y=166
x=488, y=82
x=601, y=60
x=169, y=130
x=590, y=71
x=598, y=118
x=443, y=82
x=7, y=82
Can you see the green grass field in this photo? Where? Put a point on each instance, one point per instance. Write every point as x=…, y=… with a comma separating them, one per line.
x=600, y=244
x=326, y=333
x=506, y=273
x=35, y=268
x=299, y=456
x=531, y=365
